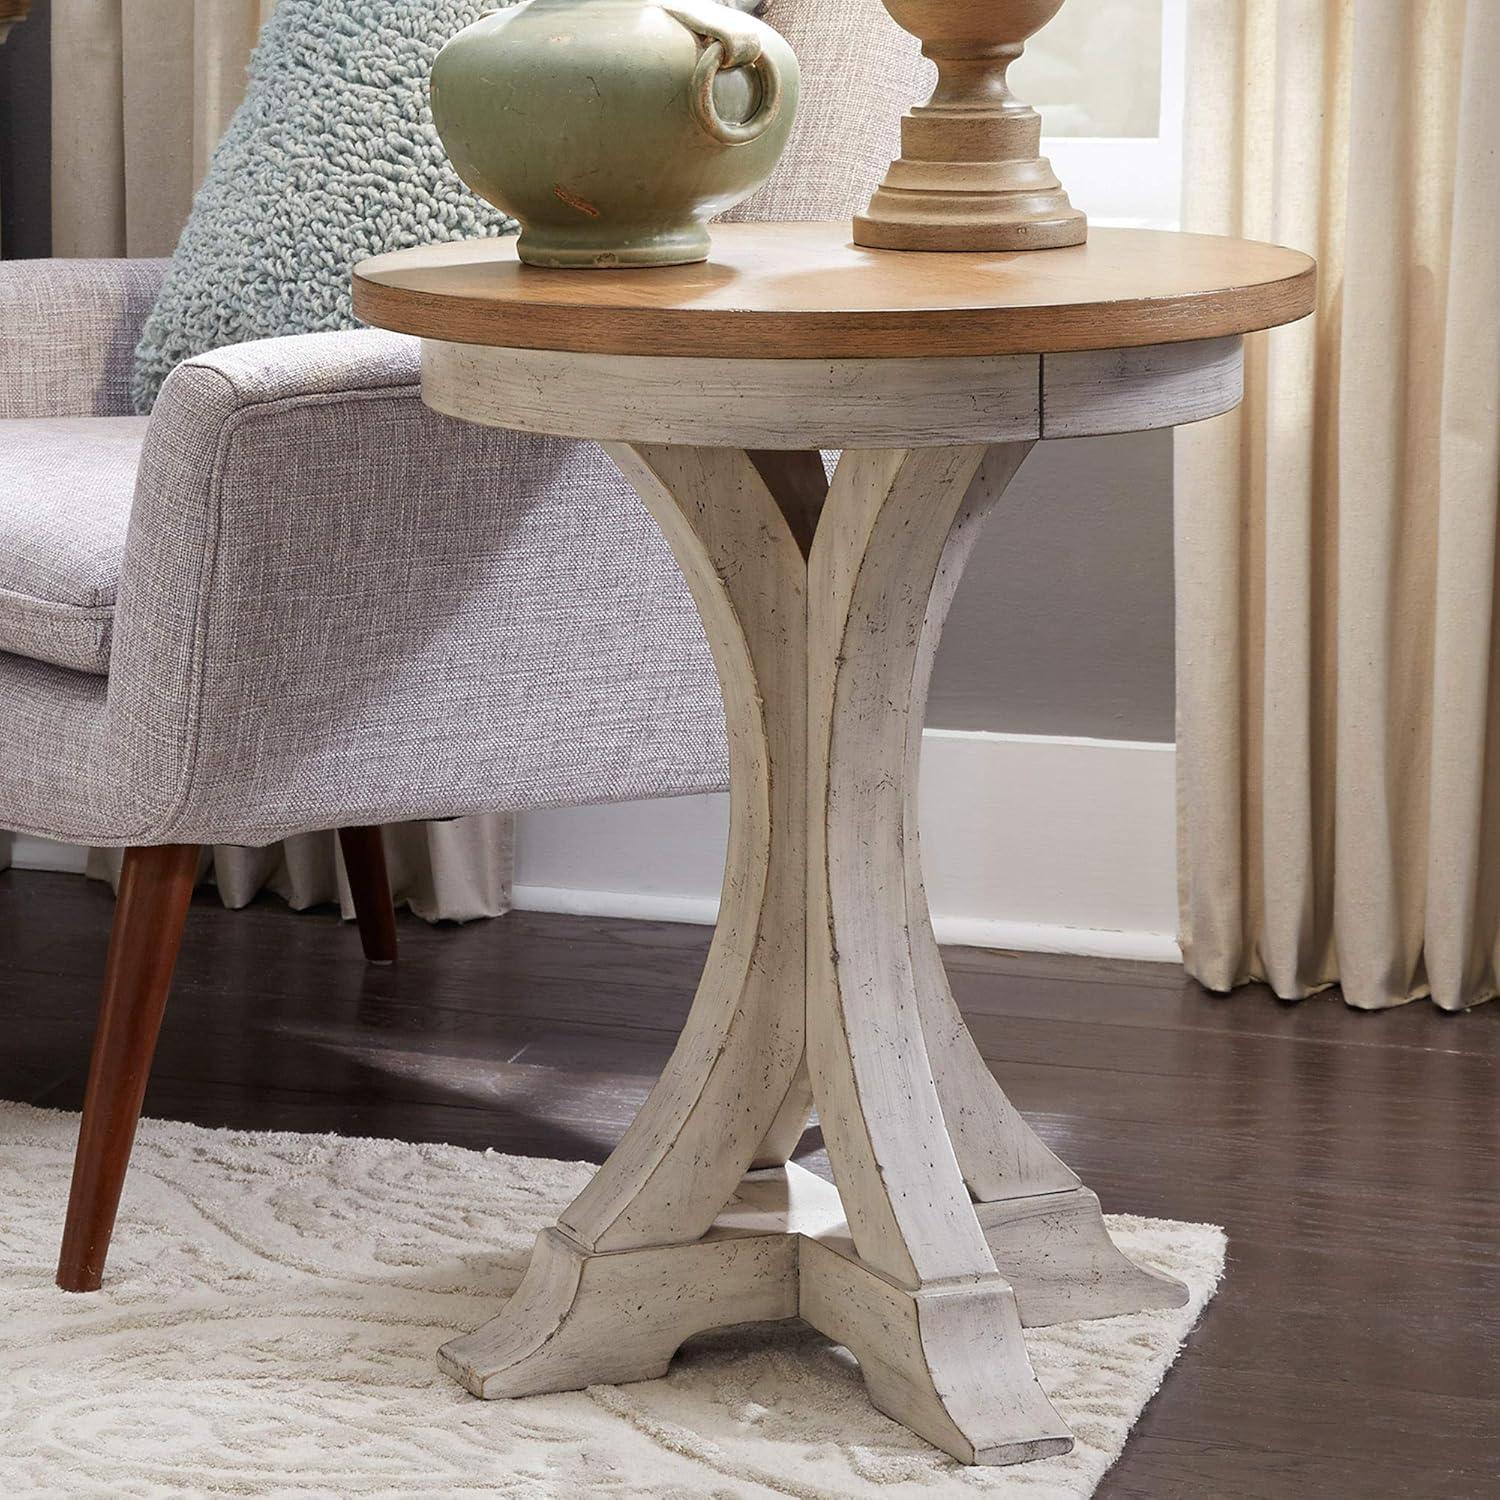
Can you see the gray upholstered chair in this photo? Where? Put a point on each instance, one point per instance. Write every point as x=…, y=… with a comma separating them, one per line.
x=295, y=599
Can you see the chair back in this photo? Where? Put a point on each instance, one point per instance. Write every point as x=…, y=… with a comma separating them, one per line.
x=860, y=74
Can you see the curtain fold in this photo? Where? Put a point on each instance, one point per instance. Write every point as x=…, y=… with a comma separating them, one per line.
x=451, y=871
x=1338, y=673
x=141, y=92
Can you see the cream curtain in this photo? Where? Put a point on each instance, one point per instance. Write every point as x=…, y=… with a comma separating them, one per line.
x=1338, y=663
x=453, y=871
x=141, y=92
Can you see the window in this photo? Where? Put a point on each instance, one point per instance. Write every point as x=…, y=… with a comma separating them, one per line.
x=1109, y=83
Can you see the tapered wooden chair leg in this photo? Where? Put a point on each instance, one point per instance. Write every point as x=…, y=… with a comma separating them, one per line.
x=364, y=862
x=156, y=886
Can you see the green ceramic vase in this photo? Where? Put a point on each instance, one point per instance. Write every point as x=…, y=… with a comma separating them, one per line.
x=614, y=129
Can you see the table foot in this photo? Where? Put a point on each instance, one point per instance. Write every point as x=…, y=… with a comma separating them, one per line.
x=946, y=1361
x=1057, y=1255
x=582, y=1317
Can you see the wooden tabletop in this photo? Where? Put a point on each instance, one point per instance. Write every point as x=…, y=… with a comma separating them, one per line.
x=804, y=291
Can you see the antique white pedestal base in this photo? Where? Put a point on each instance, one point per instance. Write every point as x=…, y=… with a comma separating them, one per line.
x=945, y=1360
x=715, y=388
x=952, y=1224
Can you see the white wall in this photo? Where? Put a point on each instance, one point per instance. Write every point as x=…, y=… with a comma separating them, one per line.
x=1031, y=842
x=1063, y=620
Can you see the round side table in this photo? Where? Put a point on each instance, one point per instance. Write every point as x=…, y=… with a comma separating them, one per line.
x=714, y=387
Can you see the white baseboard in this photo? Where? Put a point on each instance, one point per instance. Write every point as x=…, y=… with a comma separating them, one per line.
x=1031, y=842
x=1044, y=937
x=655, y=907
x=30, y=853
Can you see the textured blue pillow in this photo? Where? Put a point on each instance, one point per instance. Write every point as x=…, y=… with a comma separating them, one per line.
x=331, y=158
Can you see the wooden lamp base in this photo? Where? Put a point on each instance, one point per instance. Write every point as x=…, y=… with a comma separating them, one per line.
x=969, y=176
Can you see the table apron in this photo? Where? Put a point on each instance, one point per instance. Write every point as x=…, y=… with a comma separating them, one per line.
x=838, y=403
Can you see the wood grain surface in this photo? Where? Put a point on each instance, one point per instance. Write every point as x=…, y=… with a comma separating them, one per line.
x=804, y=291
x=156, y=886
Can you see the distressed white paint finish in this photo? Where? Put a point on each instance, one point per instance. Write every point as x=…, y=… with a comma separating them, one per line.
x=999, y=1155
x=584, y=1318
x=822, y=613
x=848, y=403
x=1058, y=1257
x=721, y=1094
x=579, y=1319
x=1061, y=1256
x=782, y=403
x=947, y=1362
x=1101, y=391
x=873, y=566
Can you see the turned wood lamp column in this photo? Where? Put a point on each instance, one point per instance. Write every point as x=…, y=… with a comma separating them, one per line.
x=970, y=176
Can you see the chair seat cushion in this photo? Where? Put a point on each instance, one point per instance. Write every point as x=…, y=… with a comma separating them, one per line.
x=66, y=485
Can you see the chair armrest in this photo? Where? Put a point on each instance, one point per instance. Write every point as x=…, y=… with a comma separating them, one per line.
x=297, y=367
x=340, y=606
x=70, y=329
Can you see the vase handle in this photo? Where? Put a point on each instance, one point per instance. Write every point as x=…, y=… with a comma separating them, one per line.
x=730, y=44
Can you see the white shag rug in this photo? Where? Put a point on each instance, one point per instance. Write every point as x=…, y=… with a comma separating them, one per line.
x=274, y=1303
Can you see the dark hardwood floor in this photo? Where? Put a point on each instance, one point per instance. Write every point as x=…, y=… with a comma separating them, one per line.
x=1353, y=1351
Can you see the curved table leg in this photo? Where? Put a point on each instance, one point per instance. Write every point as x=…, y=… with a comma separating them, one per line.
x=913, y=1290
x=790, y=1123
x=823, y=632
x=635, y=1234
x=998, y=1152
x=1029, y=1199
x=800, y=485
